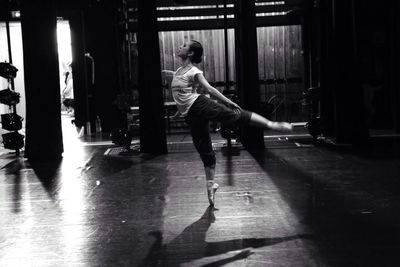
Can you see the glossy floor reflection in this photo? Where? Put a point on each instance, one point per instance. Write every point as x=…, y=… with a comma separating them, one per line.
x=296, y=204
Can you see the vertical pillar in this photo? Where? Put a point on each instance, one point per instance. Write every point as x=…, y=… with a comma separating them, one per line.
x=76, y=22
x=103, y=92
x=325, y=66
x=393, y=61
x=247, y=69
x=342, y=106
x=350, y=125
x=309, y=34
x=152, y=127
x=43, y=120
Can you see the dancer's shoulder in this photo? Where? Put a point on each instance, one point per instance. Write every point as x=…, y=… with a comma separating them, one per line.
x=195, y=70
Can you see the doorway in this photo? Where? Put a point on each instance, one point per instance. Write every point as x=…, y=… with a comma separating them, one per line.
x=70, y=132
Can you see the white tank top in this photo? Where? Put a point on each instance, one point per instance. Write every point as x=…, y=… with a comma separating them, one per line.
x=183, y=88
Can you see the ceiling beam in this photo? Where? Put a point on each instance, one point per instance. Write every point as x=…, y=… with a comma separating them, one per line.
x=207, y=24
x=173, y=13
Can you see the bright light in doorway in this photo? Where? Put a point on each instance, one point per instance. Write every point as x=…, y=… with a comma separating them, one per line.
x=64, y=48
x=15, y=14
x=64, y=41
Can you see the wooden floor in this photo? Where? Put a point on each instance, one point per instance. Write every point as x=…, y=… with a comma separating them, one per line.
x=296, y=204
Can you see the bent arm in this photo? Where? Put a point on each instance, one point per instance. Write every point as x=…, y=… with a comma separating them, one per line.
x=167, y=75
x=214, y=92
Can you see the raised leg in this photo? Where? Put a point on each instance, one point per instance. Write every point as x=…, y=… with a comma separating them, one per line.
x=260, y=121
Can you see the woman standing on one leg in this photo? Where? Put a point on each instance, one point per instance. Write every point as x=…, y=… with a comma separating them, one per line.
x=199, y=110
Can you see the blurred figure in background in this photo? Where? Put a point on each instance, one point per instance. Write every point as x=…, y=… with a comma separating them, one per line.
x=67, y=93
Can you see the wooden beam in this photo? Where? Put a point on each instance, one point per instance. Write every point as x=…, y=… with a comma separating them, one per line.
x=166, y=3
x=163, y=3
x=209, y=11
x=195, y=12
x=207, y=24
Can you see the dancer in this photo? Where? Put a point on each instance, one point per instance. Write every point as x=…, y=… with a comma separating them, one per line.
x=68, y=91
x=199, y=110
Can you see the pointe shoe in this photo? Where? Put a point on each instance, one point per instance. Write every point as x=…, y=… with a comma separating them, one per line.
x=211, y=189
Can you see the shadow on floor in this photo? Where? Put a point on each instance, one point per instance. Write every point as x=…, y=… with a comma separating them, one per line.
x=191, y=245
x=14, y=169
x=46, y=172
x=378, y=147
x=347, y=207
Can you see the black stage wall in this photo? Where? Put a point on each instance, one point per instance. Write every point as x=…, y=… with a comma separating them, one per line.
x=43, y=121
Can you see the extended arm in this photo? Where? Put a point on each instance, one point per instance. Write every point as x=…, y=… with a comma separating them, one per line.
x=215, y=93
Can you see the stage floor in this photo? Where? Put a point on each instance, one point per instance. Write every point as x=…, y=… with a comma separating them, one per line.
x=295, y=204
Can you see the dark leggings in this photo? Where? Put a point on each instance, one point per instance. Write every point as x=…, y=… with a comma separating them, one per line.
x=204, y=110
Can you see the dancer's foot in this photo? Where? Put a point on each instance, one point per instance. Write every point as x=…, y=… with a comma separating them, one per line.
x=282, y=126
x=211, y=189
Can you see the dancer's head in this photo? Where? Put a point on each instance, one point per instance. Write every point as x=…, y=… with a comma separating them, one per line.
x=192, y=50
x=197, y=50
